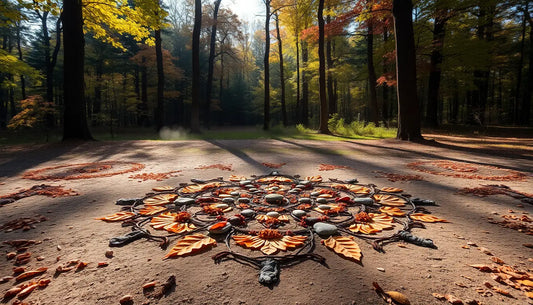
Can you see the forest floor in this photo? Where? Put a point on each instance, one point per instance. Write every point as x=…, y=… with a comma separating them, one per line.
x=71, y=232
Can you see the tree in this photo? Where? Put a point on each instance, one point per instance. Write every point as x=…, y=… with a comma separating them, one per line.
x=323, y=127
x=408, y=108
x=281, y=73
x=195, y=107
x=266, y=62
x=212, y=45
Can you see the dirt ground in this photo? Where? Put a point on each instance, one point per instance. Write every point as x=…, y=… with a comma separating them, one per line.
x=72, y=233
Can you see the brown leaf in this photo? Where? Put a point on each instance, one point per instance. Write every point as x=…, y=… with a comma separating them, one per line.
x=191, y=244
x=390, y=200
x=391, y=190
x=486, y=251
x=483, y=268
x=439, y=296
x=344, y=246
x=117, y=216
x=426, y=218
x=453, y=299
x=497, y=260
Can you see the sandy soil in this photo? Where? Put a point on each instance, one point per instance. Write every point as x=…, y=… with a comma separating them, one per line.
x=71, y=233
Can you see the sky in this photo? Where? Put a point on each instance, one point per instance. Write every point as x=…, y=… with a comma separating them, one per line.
x=247, y=10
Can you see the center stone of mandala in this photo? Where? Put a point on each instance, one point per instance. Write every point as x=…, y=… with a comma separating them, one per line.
x=275, y=199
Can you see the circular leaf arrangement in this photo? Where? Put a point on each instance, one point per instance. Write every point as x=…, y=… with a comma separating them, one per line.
x=83, y=170
x=276, y=217
x=466, y=170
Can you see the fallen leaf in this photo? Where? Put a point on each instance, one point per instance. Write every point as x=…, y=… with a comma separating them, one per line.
x=497, y=260
x=191, y=244
x=485, y=251
x=117, y=216
x=345, y=246
x=151, y=210
x=160, y=200
x=453, y=299
x=392, y=211
x=390, y=200
x=426, y=218
x=391, y=190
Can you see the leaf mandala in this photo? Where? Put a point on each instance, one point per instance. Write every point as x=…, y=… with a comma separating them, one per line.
x=426, y=218
x=117, y=216
x=271, y=245
x=159, y=200
x=172, y=222
x=191, y=244
x=391, y=190
x=344, y=246
x=151, y=210
x=392, y=211
x=390, y=200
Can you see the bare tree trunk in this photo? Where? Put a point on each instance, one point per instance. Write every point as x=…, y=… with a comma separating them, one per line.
x=266, y=110
x=332, y=95
x=211, y=68
x=160, y=108
x=526, y=101
x=281, y=74
x=195, y=107
x=374, y=117
x=298, y=111
x=408, y=108
x=323, y=127
x=432, y=117
x=75, y=108
x=518, y=94
x=305, y=86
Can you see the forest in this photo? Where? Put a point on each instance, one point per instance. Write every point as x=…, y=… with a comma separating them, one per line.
x=326, y=65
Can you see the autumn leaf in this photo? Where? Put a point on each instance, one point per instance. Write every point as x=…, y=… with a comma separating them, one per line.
x=162, y=188
x=391, y=190
x=270, y=242
x=191, y=244
x=160, y=200
x=117, y=216
x=356, y=189
x=392, y=211
x=278, y=179
x=173, y=222
x=314, y=178
x=390, y=200
x=196, y=188
x=151, y=210
x=344, y=246
x=371, y=223
x=426, y=218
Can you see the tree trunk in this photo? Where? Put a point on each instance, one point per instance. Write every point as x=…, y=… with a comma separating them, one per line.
x=332, y=95
x=385, y=103
x=374, y=117
x=298, y=111
x=75, y=108
x=195, y=107
x=518, y=94
x=323, y=127
x=143, y=106
x=305, y=86
x=408, y=108
x=266, y=110
x=281, y=74
x=19, y=49
x=432, y=117
x=160, y=108
x=526, y=101
x=212, y=45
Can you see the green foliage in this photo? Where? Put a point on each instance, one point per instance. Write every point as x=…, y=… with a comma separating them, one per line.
x=338, y=126
x=9, y=64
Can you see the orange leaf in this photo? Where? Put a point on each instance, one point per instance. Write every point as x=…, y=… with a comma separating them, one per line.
x=191, y=244
x=314, y=178
x=161, y=199
x=151, y=210
x=172, y=222
x=195, y=188
x=426, y=218
x=344, y=246
x=163, y=188
x=392, y=211
x=390, y=200
x=278, y=179
x=391, y=190
x=117, y=216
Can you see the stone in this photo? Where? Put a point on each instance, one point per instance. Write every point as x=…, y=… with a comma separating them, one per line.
x=248, y=213
x=221, y=206
x=363, y=201
x=321, y=200
x=249, y=186
x=299, y=213
x=324, y=207
x=252, y=190
x=314, y=194
x=234, y=193
x=304, y=182
x=300, y=186
x=325, y=229
x=228, y=200
x=234, y=220
x=224, y=195
x=304, y=200
x=274, y=188
x=244, y=182
x=243, y=200
x=273, y=214
x=274, y=198
x=224, y=229
x=184, y=201
x=297, y=189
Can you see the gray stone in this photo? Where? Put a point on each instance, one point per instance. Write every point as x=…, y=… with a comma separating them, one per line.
x=221, y=206
x=244, y=182
x=273, y=214
x=299, y=213
x=183, y=201
x=234, y=220
x=249, y=186
x=248, y=213
x=274, y=188
x=325, y=229
x=321, y=200
x=274, y=198
x=228, y=200
x=324, y=207
x=234, y=193
x=314, y=194
x=304, y=200
x=243, y=200
x=300, y=186
x=364, y=201
x=304, y=182
x=252, y=190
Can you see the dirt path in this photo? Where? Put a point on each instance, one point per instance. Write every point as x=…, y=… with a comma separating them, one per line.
x=71, y=233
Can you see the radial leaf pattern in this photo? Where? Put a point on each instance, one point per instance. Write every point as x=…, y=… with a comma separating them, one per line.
x=159, y=200
x=371, y=223
x=390, y=200
x=344, y=246
x=173, y=222
x=270, y=244
x=191, y=244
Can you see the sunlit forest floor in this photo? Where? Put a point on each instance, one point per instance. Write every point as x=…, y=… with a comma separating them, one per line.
x=72, y=233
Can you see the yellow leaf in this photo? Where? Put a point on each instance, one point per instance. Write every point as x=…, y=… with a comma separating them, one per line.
x=191, y=244
x=268, y=248
x=344, y=246
x=196, y=188
x=426, y=218
x=117, y=216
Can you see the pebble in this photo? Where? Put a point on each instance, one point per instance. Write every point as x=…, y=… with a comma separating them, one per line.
x=58, y=248
x=314, y=194
x=221, y=206
x=248, y=213
x=363, y=201
x=325, y=229
x=300, y=186
x=224, y=195
x=109, y=253
x=228, y=200
x=252, y=189
x=127, y=299
x=321, y=200
x=274, y=188
x=381, y=269
x=249, y=186
x=244, y=182
x=324, y=207
x=243, y=200
x=184, y=201
x=234, y=220
x=273, y=214
x=234, y=193
x=304, y=182
x=299, y=213
x=274, y=198
x=304, y=200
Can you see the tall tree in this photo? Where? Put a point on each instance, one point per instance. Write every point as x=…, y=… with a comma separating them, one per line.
x=195, y=107
x=373, y=109
x=266, y=63
x=74, y=115
x=212, y=45
x=323, y=127
x=526, y=101
x=281, y=72
x=408, y=108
